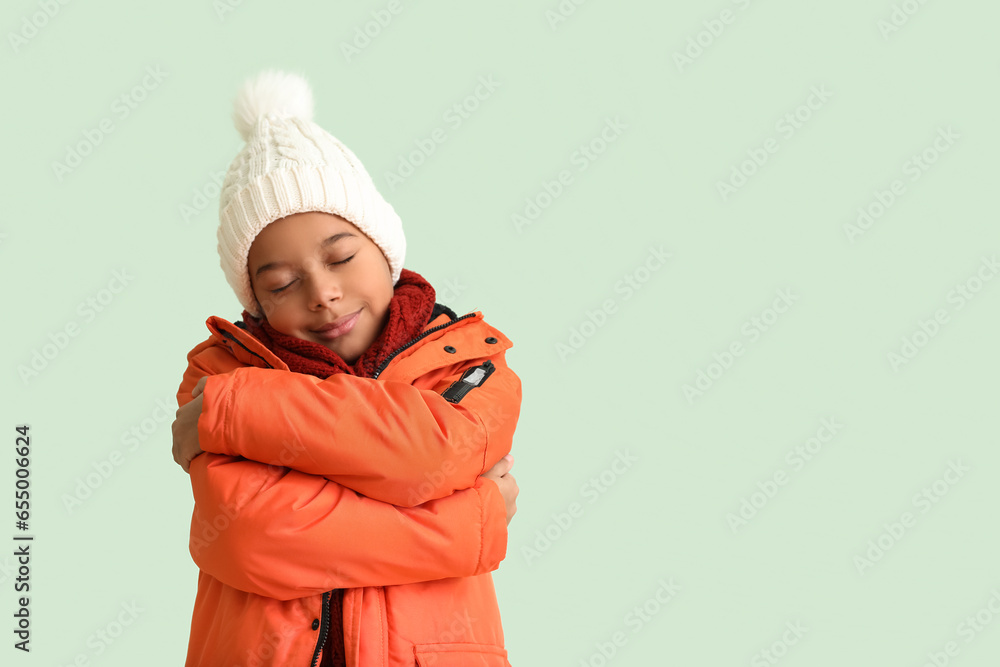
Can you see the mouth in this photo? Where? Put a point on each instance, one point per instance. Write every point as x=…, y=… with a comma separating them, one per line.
x=338, y=327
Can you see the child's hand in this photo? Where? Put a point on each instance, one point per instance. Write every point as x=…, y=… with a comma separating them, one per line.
x=500, y=473
x=185, y=428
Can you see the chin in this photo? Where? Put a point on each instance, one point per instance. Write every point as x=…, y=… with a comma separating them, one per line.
x=349, y=358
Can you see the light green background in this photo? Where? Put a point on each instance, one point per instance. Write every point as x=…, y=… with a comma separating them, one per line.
x=655, y=185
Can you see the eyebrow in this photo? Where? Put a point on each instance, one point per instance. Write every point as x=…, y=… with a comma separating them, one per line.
x=326, y=243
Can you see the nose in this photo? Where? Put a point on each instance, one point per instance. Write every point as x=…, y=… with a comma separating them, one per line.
x=324, y=287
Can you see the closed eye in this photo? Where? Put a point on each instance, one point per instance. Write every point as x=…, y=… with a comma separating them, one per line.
x=282, y=289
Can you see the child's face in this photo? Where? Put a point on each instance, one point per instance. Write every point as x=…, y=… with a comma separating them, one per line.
x=301, y=287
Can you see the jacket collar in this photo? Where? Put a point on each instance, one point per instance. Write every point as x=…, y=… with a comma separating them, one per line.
x=467, y=338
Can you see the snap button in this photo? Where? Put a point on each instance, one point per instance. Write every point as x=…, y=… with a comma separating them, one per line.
x=449, y=349
x=491, y=340
x=315, y=624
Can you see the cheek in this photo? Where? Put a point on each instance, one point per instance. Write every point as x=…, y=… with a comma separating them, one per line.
x=385, y=291
x=260, y=298
x=274, y=306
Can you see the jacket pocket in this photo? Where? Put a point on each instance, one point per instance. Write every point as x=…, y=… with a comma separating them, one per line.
x=460, y=655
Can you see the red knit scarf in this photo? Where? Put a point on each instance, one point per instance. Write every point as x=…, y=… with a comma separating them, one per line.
x=409, y=310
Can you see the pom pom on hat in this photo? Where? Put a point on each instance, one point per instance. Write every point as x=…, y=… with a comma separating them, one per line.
x=272, y=93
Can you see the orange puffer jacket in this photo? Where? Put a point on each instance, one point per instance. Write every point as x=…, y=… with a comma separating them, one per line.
x=371, y=485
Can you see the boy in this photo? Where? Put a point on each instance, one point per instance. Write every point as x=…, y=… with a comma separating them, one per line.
x=354, y=492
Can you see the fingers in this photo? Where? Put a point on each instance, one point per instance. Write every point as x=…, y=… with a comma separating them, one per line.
x=184, y=463
x=179, y=460
x=502, y=466
x=178, y=456
x=185, y=429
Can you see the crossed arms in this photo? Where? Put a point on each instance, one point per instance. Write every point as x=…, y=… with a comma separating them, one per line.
x=310, y=484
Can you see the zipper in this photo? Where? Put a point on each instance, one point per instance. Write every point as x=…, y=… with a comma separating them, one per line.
x=323, y=629
x=429, y=331
x=236, y=340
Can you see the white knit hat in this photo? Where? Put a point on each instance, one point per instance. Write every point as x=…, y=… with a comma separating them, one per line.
x=291, y=165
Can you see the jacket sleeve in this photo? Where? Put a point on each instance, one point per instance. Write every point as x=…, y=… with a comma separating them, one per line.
x=388, y=440
x=285, y=534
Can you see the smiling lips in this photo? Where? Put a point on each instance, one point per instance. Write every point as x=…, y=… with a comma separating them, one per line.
x=338, y=327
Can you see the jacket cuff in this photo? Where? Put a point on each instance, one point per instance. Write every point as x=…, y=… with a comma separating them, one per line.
x=217, y=400
x=494, y=523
